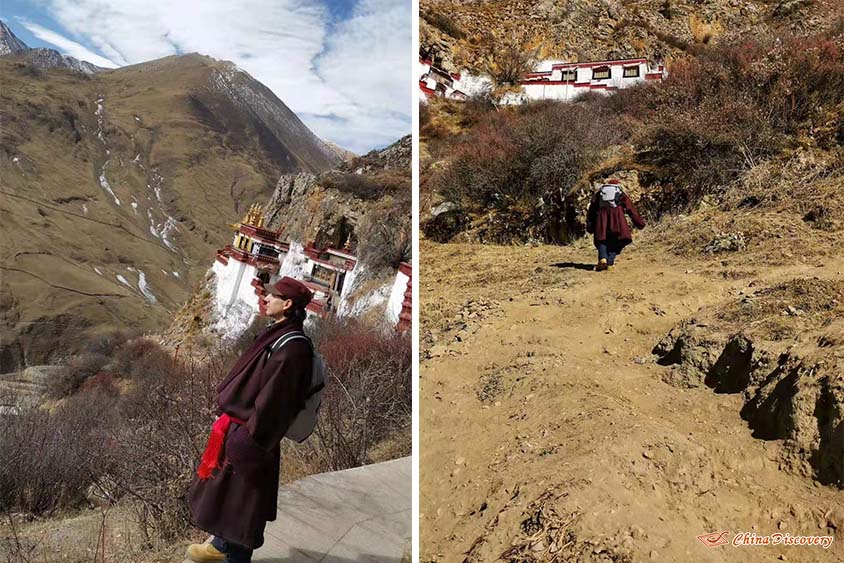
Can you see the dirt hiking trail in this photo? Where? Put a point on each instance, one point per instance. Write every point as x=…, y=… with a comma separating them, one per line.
x=548, y=431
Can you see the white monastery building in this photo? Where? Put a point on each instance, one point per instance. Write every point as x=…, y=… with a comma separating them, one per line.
x=434, y=81
x=551, y=80
x=554, y=80
x=258, y=256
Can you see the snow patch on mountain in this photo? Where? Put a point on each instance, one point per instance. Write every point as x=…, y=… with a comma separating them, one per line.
x=106, y=185
x=142, y=285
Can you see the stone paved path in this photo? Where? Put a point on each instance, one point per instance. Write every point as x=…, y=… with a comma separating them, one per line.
x=361, y=514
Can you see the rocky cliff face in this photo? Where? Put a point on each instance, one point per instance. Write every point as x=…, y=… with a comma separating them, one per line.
x=336, y=207
x=468, y=34
x=117, y=189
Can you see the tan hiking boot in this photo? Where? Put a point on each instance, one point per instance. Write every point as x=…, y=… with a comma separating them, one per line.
x=602, y=265
x=204, y=553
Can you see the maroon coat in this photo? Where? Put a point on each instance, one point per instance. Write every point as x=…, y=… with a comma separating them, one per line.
x=241, y=496
x=609, y=222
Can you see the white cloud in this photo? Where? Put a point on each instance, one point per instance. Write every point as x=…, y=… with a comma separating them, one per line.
x=66, y=46
x=348, y=82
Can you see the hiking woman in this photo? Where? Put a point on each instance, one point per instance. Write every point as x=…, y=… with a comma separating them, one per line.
x=605, y=219
x=235, y=491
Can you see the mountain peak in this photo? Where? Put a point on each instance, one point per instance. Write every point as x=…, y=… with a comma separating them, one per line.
x=9, y=43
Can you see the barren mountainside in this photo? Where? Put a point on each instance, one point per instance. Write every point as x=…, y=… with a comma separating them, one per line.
x=118, y=187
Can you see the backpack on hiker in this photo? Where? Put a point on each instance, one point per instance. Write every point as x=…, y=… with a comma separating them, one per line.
x=609, y=195
x=305, y=422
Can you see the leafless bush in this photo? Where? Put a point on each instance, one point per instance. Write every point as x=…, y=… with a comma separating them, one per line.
x=140, y=358
x=508, y=61
x=733, y=107
x=521, y=164
x=160, y=439
x=50, y=458
x=107, y=343
x=443, y=23
x=367, y=398
x=368, y=186
x=78, y=368
x=140, y=444
x=385, y=236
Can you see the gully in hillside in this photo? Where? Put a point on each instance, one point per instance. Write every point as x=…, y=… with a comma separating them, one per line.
x=235, y=491
x=606, y=221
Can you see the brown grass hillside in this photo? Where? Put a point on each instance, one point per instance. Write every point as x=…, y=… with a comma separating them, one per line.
x=179, y=137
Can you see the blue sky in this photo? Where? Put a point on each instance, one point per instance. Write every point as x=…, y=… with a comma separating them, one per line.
x=342, y=65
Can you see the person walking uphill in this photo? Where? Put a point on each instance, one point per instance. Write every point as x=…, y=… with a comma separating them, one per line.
x=235, y=491
x=605, y=220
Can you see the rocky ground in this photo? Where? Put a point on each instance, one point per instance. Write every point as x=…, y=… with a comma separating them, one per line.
x=567, y=414
x=466, y=35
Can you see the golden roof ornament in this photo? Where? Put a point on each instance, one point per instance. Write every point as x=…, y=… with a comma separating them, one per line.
x=253, y=217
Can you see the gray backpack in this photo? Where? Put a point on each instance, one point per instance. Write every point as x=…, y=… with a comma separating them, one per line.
x=609, y=195
x=305, y=422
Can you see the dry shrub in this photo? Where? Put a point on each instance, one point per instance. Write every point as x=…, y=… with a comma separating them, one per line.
x=385, y=236
x=507, y=61
x=361, y=186
x=50, y=458
x=521, y=165
x=443, y=23
x=165, y=423
x=141, y=444
x=140, y=358
x=732, y=107
x=367, y=398
x=78, y=368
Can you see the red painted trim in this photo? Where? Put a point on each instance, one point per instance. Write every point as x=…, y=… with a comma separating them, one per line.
x=317, y=308
x=406, y=314
x=341, y=253
x=442, y=73
x=332, y=265
x=548, y=82
x=537, y=74
x=653, y=76
x=426, y=62
x=598, y=63
x=405, y=268
x=425, y=90
x=259, y=233
x=315, y=287
x=455, y=75
x=222, y=260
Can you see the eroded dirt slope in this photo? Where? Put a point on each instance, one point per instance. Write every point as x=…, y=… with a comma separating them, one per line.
x=550, y=429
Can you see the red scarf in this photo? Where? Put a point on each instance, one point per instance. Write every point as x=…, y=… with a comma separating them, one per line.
x=211, y=457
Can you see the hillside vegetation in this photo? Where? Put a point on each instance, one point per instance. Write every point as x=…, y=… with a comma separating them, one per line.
x=724, y=128
x=474, y=35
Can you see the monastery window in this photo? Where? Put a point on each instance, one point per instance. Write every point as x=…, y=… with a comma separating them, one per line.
x=569, y=75
x=600, y=73
x=631, y=71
